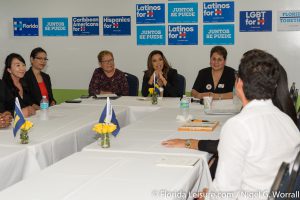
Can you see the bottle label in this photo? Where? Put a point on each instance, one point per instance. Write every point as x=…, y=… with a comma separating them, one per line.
x=184, y=105
x=44, y=106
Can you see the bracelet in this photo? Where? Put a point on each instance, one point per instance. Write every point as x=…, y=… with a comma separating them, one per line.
x=188, y=144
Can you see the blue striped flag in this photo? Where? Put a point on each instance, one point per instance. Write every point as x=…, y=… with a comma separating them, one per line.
x=19, y=119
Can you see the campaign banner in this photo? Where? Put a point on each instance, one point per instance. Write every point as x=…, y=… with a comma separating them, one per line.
x=221, y=34
x=151, y=35
x=183, y=34
x=253, y=21
x=116, y=25
x=55, y=26
x=218, y=11
x=150, y=13
x=26, y=26
x=288, y=20
x=183, y=12
x=85, y=26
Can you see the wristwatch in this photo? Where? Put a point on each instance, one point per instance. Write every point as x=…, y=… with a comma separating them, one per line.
x=188, y=143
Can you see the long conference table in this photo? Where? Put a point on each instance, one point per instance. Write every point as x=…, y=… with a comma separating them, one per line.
x=64, y=161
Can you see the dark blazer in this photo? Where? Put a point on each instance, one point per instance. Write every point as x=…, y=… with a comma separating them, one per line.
x=170, y=90
x=33, y=87
x=2, y=97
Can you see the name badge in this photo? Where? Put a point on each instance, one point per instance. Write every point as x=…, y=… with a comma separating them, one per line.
x=208, y=86
x=221, y=86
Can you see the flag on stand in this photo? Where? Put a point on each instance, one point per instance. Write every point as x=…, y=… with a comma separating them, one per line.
x=19, y=119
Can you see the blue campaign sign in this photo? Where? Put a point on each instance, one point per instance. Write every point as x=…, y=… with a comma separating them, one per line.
x=183, y=12
x=218, y=11
x=116, y=25
x=150, y=13
x=26, y=26
x=151, y=35
x=85, y=26
x=221, y=34
x=252, y=21
x=55, y=26
x=183, y=34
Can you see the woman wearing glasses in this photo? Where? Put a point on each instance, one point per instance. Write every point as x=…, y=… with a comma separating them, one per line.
x=166, y=77
x=39, y=83
x=217, y=80
x=107, y=79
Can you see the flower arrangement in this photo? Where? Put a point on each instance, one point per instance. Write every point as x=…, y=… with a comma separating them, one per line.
x=104, y=129
x=154, y=94
x=24, y=132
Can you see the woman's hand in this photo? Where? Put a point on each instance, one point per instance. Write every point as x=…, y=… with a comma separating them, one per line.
x=52, y=103
x=174, y=143
x=28, y=111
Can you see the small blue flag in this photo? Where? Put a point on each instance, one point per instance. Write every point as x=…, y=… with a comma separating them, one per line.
x=19, y=119
x=156, y=87
x=108, y=116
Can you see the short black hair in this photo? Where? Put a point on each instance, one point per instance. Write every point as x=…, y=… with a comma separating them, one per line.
x=220, y=50
x=259, y=72
x=37, y=50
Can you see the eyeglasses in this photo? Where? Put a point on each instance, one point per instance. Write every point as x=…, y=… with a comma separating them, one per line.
x=43, y=59
x=108, y=61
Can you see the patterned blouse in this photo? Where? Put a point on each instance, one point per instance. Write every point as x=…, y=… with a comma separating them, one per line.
x=116, y=84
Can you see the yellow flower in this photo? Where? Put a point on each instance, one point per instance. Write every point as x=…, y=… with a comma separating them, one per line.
x=102, y=128
x=27, y=125
x=151, y=90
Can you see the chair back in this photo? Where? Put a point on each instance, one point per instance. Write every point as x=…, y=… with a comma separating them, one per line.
x=181, y=84
x=133, y=84
x=281, y=182
x=294, y=185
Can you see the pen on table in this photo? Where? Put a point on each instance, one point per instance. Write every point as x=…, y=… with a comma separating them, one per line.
x=199, y=120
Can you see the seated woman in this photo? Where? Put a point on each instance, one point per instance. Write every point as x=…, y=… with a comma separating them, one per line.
x=166, y=76
x=13, y=74
x=38, y=82
x=216, y=80
x=107, y=79
x=5, y=116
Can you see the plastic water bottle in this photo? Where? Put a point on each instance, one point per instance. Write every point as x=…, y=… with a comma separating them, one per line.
x=44, y=105
x=185, y=107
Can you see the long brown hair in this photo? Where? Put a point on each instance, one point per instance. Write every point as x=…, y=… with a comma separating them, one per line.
x=150, y=69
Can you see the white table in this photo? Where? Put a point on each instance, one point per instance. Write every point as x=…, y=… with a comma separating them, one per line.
x=104, y=175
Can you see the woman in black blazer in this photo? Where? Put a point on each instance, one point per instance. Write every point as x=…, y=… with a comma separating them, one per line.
x=39, y=83
x=166, y=77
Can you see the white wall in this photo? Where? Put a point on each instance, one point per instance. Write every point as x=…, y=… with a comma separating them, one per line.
x=72, y=59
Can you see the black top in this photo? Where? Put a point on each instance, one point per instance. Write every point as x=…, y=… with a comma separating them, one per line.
x=33, y=87
x=12, y=92
x=2, y=95
x=170, y=90
x=210, y=146
x=205, y=82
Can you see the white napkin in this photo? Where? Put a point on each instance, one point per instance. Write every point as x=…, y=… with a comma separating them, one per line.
x=182, y=119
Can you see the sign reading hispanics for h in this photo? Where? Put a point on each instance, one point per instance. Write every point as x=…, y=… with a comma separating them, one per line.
x=55, y=26
x=288, y=20
x=183, y=12
x=183, y=34
x=85, y=26
x=150, y=13
x=26, y=26
x=218, y=11
x=116, y=25
x=151, y=35
x=252, y=21
x=218, y=34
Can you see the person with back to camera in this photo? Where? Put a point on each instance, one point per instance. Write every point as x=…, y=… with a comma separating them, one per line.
x=5, y=116
x=217, y=80
x=249, y=157
x=39, y=83
x=13, y=74
x=166, y=76
x=107, y=79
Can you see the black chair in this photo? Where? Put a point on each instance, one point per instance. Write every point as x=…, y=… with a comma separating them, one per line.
x=281, y=182
x=133, y=83
x=181, y=84
x=294, y=185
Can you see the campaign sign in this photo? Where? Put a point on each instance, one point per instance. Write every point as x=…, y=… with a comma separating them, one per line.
x=218, y=12
x=183, y=12
x=221, y=34
x=151, y=35
x=55, y=26
x=150, y=13
x=116, y=25
x=183, y=34
x=26, y=26
x=252, y=21
x=85, y=26
x=288, y=20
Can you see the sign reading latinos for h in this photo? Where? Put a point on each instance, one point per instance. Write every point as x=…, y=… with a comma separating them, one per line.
x=150, y=13
x=116, y=25
x=218, y=11
x=26, y=26
x=183, y=34
x=252, y=21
